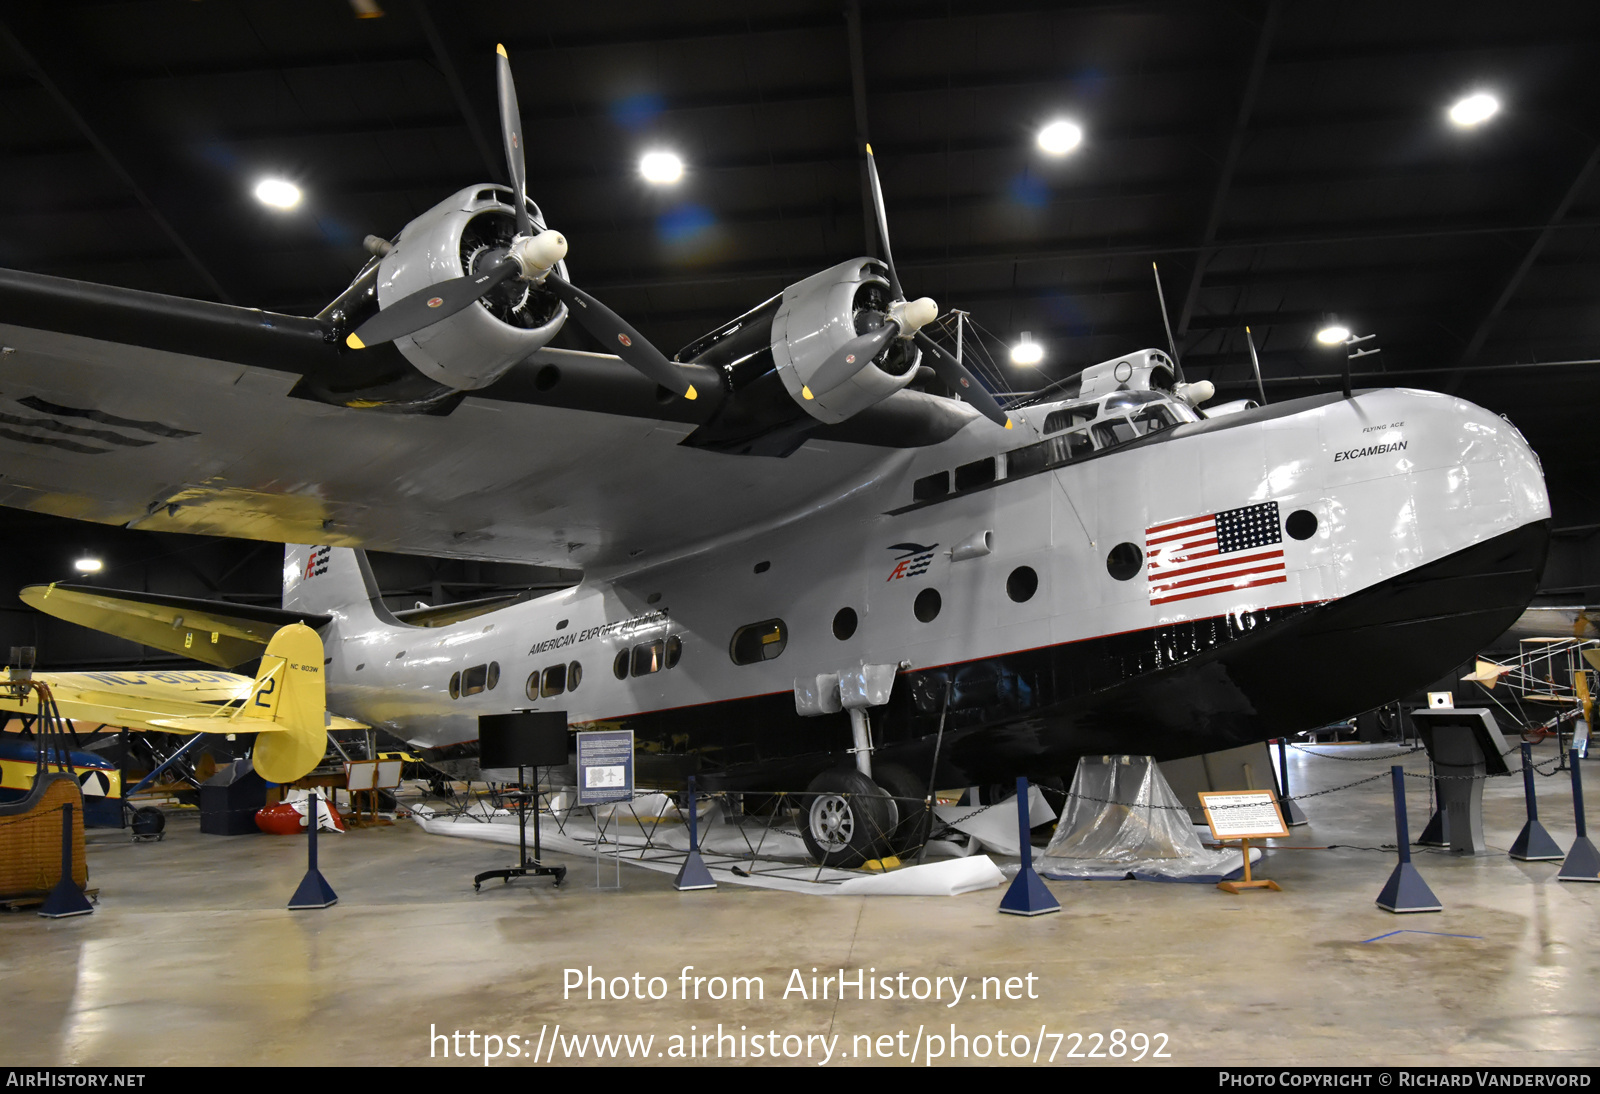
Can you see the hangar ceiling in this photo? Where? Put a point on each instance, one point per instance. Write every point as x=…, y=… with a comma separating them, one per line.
x=1286, y=164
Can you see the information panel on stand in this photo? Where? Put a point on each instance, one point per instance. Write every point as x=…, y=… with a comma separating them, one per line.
x=605, y=766
x=1243, y=814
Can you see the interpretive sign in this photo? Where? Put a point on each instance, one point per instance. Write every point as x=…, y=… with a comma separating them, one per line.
x=605, y=766
x=1243, y=814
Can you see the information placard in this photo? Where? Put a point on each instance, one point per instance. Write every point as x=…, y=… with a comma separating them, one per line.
x=605, y=766
x=372, y=774
x=1243, y=814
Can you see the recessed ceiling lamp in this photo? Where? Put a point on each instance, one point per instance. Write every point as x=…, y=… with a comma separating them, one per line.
x=278, y=193
x=661, y=168
x=1059, y=138
x=1333, y=335
x=87, y=565
x=1027, y=351
x=1474, y=110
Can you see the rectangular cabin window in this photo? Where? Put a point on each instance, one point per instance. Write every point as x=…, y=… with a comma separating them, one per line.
x=1048, y=453
x=1070, y=416
x=555, y=681
x=475, y=679
x=931, y=486
x=977, y=473
x=646, y=658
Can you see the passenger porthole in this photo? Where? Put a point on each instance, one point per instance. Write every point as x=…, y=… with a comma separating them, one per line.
x=927, y=605
x=1302, y=524
x=1124, y=561
x=844, y=623
x=1022, y=584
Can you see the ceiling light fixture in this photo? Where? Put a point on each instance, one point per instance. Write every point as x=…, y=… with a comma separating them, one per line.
x=1474, y=109
x=661, y=168
x=87, y=565
x=278, y=193
x=1027, y=351
x=1060, y=137
x=1333, y=335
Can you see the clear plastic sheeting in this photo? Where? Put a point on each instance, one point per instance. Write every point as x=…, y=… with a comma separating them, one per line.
x=1122, y=820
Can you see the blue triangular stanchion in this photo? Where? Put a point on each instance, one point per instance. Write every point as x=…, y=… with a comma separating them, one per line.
x=66, y=899
x=314, y=891
x=1533, y=844
x=1582, y=863
x=693, y=874
x=1407, y=892
x=1027, y=895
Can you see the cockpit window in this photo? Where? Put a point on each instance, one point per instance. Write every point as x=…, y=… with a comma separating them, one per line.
x=1069, y=416
x=1122, y=429
x=1122, y=400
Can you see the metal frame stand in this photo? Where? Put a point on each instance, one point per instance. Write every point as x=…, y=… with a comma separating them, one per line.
x=1405, y=890
x=314, y=891
x=1027, y=895
x=693, y=874
x=1583, y=861
x=1533, y=843
x=616, y=855
x=525, y=866
x=66, y=899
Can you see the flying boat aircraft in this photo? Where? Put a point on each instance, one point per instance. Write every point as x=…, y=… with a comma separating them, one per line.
x=815, y=549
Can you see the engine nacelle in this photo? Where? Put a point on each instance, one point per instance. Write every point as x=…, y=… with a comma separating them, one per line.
x=816, y=317
x=464, y=234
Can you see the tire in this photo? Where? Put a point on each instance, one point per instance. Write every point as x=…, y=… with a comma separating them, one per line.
x=908, y=792
x=846, y=819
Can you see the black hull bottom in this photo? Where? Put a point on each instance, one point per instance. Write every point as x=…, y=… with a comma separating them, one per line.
x=1168, y=692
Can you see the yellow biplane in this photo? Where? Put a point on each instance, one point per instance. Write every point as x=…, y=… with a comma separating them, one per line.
x=285, y=704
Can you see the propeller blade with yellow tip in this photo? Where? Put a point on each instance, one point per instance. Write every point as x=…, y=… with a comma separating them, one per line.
x=618, y=336
x=427, y=306
x=511, y=134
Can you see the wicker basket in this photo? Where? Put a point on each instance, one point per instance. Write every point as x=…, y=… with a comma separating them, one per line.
x=30, y=838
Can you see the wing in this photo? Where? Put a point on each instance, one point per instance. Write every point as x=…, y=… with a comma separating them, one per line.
x=97, y=699
x=131, y=408
x=225, y=635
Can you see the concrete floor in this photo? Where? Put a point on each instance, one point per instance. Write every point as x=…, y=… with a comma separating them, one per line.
x=191, y=957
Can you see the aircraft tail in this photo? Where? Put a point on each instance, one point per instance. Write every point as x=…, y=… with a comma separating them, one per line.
x=287, y=707
x=325, y=580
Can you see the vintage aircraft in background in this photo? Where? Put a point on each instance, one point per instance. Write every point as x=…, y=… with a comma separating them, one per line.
x=285, y=703
x=806, y=565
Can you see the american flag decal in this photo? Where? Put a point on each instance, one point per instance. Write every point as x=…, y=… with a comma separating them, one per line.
x=1215, y=553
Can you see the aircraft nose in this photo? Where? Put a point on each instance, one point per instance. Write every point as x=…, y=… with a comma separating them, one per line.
x=1471, y=467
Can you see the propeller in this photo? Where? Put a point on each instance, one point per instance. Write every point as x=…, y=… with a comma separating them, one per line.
x=530, y=257
x=906, y=320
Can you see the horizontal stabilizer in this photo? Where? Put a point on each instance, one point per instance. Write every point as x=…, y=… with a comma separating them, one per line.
x=213, y=631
